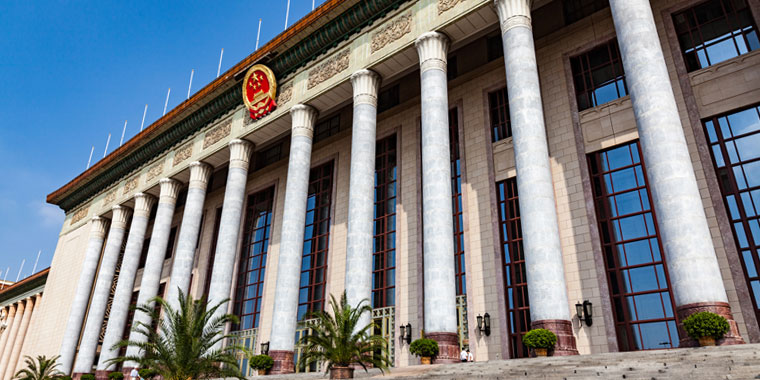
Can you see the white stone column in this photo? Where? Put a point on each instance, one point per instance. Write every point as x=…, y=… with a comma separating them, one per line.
x=285, y=315
x=694, y=272
x=549, y=306
x=154, y=261
x=117, y=319
x=361, y=192
x=82, y=295
x=20, y=336
x=7, y=333
x=182, y=267
x=14, y=330
x=89, y=343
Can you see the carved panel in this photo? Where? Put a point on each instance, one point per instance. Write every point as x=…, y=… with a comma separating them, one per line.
x=392, y=32
x=286, y=93
x=329, y=69
x=131, y=185
x=445, y=5
x=80, y=214
x=215, y=135
x=183, y=154
x=155, y=171
x=110, y=197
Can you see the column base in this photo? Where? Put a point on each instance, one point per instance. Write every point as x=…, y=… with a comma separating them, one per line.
x=102, y=374
x=564, y=331
x=721, y=308
x=283, y=362
x=448, y=346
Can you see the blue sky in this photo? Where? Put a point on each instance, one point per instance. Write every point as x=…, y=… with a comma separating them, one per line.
x=71, y=72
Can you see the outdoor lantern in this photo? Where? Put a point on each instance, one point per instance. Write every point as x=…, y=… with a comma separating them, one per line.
x=484, y=324
x=402, y=327
x=480, y=322
x=408, y=333
x=584, y=311
x=265, y=348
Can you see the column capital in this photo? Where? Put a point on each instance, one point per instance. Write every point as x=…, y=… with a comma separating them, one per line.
x=240, y=153
x=143, y=204
x=120, y=216
x=200, y=173
x=513, y=13
x=169, y=190
x=366, y=84
x=303, y=117
x=432, y=48
x=99, y=225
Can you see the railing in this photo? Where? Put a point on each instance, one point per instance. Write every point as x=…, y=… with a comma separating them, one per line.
x=462, y=326
x=247, y=339
x=385, y=326
x=303, y=329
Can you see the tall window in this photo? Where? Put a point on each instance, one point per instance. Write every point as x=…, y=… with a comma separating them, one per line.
x=253, y=259
x=715, y=31
x=311, y=296
x=575, y=10
x=456, y=203
x=384, y=245
x=598, y=76
x=735, y=143
x=212, y=252
x=326, y=128
x=498, y=102
x=636, y=269
x=513, y=259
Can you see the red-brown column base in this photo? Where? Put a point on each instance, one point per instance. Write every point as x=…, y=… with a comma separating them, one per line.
x=448, y=346
x=564, y=331
x=721, y=308
x=102, y=375
x=283, y=362
x=77, y=375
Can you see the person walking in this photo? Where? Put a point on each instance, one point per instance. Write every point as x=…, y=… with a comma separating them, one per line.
x=134, y=374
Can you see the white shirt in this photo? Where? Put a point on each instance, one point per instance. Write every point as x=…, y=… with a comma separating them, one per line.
x=463, y=355
x=469, y=357
x=134, y=374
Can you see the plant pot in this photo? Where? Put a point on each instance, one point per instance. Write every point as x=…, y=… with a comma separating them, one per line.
x=541, y=352
x=262, y=372
x=342, y=373
x=706, y=341
x=425, y=360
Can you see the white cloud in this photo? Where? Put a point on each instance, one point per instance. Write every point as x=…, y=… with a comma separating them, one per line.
x=50, y=215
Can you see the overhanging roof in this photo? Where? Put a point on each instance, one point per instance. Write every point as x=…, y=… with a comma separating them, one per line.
x=25, y=285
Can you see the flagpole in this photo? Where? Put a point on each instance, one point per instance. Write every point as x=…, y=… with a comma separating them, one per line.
x=20, y=269
x=5, y=278
x=107, y=142
x=123, y=130
x=287, y=13
x=312, y=5
x=166, y=103
x=191, y=83
x=258, y=34
x=143, y=121
x=89, y=160
x=219, y=69
x=36, y=261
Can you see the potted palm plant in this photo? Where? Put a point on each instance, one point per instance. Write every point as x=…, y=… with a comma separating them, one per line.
x=706, y=327
x=425, y=348
x=540, y=340
x=338, y=340
x=115, y=376
x=40, y=369
x=261, y=363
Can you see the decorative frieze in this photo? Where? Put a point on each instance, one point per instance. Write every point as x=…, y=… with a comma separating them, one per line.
x=445, y=5
x=182, y=154
x=286, y=94
x=392, y=32
x=110, y=197
x=329, y=68
x=131, y=185
x=215, y=135
x=155, y=171
x=80, y=214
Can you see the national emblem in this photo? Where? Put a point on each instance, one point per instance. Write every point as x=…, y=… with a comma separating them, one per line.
x=259, y=90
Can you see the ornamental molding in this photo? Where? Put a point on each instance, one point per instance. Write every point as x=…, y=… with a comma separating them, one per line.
x=110, y=197
x=392, y=32
x=445, y=5
x=286, y=94
x=329, y=69
x=215, y=135
x=131, y=185
x=155, y=171
x=80, y=214
x=182, y=154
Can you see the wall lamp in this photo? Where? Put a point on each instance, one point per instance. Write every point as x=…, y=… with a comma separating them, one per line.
x=406, y=333
x=585, y=312
x=265, y=348
x=484, y=324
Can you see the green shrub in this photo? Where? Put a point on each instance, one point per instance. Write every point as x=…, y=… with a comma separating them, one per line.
x=147, y=373
x=64, y=378
x=261, y=362
x=424, y=347
x=540, y=338
x=115, y=376
x=88, y=376
x=705, y=324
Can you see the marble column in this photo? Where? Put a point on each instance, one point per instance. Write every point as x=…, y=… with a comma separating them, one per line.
x=82, y=295
x=7, y=332
x=693, y=268
x=438, y=225
x=285, y=315
x=20, y=336
x=5, y=360
x=117, y=319
x=182, y=267
x=99, y=302
x=154, y=261
x=549, y=306
x=361, y=192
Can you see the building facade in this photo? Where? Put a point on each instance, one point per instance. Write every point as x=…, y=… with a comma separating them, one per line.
x=473, y=168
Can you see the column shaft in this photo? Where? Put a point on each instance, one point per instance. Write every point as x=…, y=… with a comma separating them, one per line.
x=692, y=265
x=123, y=295
x=5, y=360
x=7, y=332
x=285, y=315
x=20, y=336
x=361, y=191
x=91, y=335
x=182, y=267
x=82, y=295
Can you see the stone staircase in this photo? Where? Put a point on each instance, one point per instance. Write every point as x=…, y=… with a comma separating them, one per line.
x=728, y=362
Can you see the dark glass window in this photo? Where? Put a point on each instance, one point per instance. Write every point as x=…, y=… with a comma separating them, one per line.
x=715, y=31
x=494, y=48
x=456, y=202
x=218, y=179
x=735, y=145
x=452, y=68
x=513, y=259
x=575, y=10
x=598, y=76
x=253, y=259
x=170, y=245
x=212, y=251
x=144, y=253
x=311, y=295
x=128, y=324
x=269, y=155
x=326, y=128
x=388, y=98
x=498, y=102
x=384, y=245
x=636, y=269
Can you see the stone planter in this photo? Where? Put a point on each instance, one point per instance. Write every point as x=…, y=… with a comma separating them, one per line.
x=261, y=372
x=425, y=360
x=706, y=341
x=342, y=373
x=541, y=352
